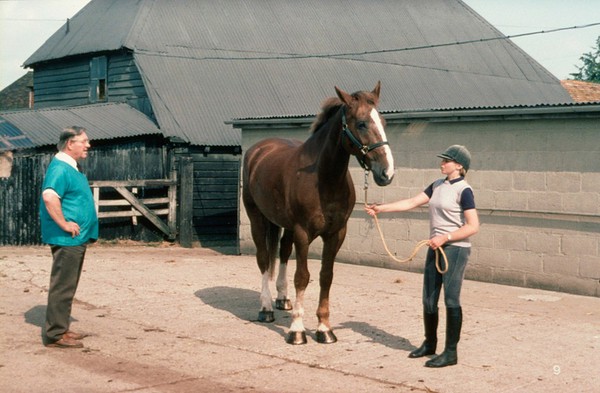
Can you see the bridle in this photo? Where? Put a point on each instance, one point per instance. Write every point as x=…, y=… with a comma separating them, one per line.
x=363, y=149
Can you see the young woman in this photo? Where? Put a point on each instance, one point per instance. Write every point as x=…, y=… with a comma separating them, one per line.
x=453, y=219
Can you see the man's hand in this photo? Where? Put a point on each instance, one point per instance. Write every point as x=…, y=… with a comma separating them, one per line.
x=72, y=228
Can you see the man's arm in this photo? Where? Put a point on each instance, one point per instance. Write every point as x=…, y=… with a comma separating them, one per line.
x=54, y=207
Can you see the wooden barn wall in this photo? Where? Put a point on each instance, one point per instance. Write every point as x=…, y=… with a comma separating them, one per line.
x=215, y=191
x=127, y=160
x=62, y=84
x=215, y=198
x=20, y=200
x=68, y=83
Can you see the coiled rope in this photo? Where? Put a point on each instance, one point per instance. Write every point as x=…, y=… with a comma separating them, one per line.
x=419, y=245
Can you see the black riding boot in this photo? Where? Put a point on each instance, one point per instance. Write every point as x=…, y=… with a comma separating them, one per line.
x=430, y=320
x=453, y=325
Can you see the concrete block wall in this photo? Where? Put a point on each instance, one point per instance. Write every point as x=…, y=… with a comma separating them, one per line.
x=522, y=242
x=537, y=188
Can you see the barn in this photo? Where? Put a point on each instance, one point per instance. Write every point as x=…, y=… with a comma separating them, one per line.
x=186, y=68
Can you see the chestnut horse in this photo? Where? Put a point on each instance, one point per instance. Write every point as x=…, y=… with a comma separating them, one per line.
x=306, y=190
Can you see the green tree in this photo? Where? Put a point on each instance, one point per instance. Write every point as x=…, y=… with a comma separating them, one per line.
x=590, y=70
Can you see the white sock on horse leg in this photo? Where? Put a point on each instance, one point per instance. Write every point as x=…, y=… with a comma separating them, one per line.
x=266, y=302
x=282, y=284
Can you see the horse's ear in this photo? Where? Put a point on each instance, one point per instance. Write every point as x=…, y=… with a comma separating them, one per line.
x=345, y=97
x=377, y=89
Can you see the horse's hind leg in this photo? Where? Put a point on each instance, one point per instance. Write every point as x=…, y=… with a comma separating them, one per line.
x=272, y=238
x=261, y=228
x=285, y=250
x=297, y=334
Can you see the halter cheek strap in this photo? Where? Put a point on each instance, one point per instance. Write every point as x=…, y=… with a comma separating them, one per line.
x=363, y=149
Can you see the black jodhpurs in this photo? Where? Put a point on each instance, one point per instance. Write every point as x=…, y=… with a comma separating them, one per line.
x=452, y=279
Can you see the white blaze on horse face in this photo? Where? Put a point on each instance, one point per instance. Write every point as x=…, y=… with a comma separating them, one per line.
x=388, y=151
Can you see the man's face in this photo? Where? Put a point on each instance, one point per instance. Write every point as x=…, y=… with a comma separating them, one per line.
x=78, y=146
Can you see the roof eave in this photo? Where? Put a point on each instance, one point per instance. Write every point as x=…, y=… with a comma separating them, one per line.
x=591, y=109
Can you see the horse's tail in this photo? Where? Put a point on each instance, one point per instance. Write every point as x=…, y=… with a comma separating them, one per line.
x=273, y=235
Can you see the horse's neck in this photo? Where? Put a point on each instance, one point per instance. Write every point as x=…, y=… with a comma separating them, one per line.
x=332, y=158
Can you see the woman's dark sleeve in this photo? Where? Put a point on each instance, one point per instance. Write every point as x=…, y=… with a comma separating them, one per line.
x=467, y=199
x=429, y=191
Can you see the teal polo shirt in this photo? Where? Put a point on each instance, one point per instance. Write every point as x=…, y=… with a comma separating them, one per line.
x=77, y=203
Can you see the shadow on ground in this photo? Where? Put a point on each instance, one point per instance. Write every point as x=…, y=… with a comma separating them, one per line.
x=243, y=304
x=36, y=315
x=379, y=336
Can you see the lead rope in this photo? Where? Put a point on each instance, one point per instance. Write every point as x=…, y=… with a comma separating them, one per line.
x=417, y=247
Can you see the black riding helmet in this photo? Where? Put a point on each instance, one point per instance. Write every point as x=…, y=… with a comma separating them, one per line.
x=457, y=153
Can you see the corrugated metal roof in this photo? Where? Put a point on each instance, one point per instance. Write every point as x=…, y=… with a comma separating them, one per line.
x=11, y=138
x=102, y=25
x=587, y=109
x=43, y=126
x=205, y=62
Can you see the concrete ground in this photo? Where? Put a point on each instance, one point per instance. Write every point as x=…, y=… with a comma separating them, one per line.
x=169, y=319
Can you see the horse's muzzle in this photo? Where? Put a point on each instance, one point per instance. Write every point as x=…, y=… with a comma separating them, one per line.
x=382, y=175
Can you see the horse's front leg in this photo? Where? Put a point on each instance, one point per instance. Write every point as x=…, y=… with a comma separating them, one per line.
x=331, y=246
x=285, y=249
x=297, y=334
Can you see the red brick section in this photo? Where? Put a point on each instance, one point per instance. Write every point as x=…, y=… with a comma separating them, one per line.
x=582, y=91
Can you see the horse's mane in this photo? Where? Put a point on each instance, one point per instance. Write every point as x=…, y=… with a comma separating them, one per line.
x=328, y=108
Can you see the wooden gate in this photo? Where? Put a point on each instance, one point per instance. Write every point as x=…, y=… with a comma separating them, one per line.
x=132, y=206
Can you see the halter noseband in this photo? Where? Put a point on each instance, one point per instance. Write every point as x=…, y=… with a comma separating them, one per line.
x=363, y=149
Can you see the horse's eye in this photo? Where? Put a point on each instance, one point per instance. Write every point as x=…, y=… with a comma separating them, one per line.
x=361, y=125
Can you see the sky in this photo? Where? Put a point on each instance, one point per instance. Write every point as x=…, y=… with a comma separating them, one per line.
x=26, y=24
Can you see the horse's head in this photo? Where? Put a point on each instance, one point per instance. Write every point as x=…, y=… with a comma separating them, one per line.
x=364, y=134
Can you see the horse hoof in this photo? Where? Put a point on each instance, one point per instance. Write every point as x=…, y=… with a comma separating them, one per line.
x=266, y=316
x=296, y=338
x=283, y=304
x=326, y=337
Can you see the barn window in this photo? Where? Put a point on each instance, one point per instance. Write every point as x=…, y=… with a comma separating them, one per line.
x=102, y=90
x=98, y=86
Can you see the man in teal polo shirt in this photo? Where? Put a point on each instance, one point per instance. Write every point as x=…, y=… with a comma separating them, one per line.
x=69, y=223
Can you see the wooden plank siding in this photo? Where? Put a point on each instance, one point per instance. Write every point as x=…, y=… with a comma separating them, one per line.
x=129, y=159
x=215, y=199
x=20, y=200
x=215, y=191
x=62, y=84
x=68, y=83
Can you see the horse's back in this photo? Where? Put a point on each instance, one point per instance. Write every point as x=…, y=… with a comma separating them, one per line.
x=269, y=153
x=271, y=147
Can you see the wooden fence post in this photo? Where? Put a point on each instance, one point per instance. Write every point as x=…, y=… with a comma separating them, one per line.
x=172, y=193
x=186, y=200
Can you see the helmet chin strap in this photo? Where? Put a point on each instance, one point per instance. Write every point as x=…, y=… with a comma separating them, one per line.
x=363, y=149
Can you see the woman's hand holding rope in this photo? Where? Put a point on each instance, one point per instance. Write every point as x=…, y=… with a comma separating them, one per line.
x=435, y=243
